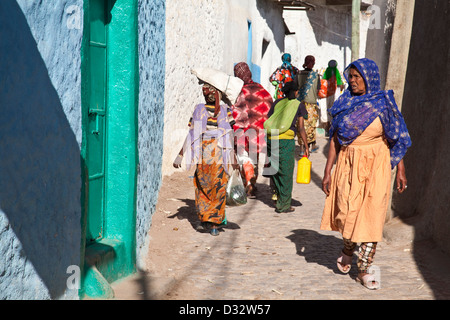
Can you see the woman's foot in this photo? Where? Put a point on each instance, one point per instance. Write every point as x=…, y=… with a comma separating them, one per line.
x=214, y=231
x=344, y=263
x=368, y=281
x=251, y=191
x=210, y=227
x=291, y=209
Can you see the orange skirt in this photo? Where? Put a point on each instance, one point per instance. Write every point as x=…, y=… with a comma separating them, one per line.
x=210, y=181
x=360, y=188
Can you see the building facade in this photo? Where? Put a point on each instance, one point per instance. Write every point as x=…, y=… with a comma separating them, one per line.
x=80, y=181
x=96, y=96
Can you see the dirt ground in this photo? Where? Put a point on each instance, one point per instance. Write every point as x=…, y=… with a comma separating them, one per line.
x=174, y=219
x=262, y=255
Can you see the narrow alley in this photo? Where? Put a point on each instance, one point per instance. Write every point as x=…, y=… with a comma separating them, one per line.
x=263, y=255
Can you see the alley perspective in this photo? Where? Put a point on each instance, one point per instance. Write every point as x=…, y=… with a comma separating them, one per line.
x=130, y=130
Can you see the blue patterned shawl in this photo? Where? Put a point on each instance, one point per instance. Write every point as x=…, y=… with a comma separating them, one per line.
x=353, y=114
x=304, y=90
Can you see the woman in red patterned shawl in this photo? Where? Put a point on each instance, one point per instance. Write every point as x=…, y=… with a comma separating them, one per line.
x=250, y=112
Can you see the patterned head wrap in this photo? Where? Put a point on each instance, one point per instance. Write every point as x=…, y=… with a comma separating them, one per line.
x=242, y=71
x=353, y=114
x=286, y=58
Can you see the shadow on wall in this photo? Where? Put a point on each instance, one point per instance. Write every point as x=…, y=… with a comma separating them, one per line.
x=278, y=34
x=425, y=109
x=40, y=206
x=379, y=35
x=332, y=27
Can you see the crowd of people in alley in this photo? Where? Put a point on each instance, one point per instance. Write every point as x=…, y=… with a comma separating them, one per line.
x=368, y=138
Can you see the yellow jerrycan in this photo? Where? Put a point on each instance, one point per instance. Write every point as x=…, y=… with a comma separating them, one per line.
x=304, y=170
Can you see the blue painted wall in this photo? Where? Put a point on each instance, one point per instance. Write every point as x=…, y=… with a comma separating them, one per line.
x=151, y=116
x=40, y=126
x=40, y=131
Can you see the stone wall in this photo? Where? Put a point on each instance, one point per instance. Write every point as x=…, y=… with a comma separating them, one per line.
x=426, y=110
x=40, y=205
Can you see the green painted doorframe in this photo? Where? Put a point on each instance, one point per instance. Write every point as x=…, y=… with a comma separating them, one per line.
x=113, y=256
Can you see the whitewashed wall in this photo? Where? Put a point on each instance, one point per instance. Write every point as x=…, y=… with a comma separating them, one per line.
x=211, y=33
x=324, y=33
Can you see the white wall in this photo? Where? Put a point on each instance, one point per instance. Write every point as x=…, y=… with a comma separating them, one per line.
x=324, y=33
x=211, y=33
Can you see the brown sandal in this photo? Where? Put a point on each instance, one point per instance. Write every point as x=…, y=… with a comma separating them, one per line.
x=344, y=263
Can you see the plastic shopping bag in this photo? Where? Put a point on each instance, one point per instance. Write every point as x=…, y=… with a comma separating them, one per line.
x=236, y=194
x=327, y=87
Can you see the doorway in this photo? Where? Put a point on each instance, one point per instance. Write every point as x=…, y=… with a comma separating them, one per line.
x=110, y=82
x=96, y=132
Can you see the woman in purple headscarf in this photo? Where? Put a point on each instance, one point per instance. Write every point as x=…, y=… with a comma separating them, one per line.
x=368, y=136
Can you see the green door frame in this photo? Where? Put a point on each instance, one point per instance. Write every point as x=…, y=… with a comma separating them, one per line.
x=113, y=256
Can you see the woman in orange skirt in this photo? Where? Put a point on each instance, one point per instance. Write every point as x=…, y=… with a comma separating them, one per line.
x=209, y=146
x=368, y=136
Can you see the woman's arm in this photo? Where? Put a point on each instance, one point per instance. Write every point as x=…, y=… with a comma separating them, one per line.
x=332, y=154
x=302, y=134
x=178, y=159
x=401, y=177
x=234, y=160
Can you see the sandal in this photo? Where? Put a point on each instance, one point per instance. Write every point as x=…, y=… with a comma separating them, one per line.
x=291, y=209
x=344, y=263
x=250, y=190
x=214, y=231
x=368, y=281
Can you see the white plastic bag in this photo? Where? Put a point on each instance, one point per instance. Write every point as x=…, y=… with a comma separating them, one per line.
x=236, y=194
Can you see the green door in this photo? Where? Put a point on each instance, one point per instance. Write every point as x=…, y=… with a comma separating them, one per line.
x=96, y=129
x=110, y=86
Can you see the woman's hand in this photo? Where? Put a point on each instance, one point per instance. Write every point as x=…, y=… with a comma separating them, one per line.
x=235, y=163
x=401, y=177
x=326, y=184
x=332, y=155
x=177, y=161
x=307, y=154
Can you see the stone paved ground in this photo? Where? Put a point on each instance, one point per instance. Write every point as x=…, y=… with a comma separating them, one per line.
x=263, y=255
